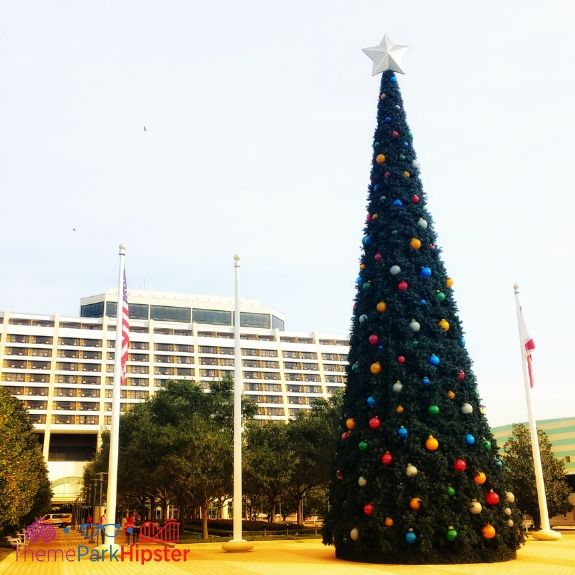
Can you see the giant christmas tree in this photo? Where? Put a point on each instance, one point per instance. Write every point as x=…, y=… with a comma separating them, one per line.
x=417, y=477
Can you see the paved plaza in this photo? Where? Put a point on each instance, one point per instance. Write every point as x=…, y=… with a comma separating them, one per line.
x=294, y=557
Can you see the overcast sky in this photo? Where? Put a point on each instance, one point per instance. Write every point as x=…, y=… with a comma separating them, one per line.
x=192, y=131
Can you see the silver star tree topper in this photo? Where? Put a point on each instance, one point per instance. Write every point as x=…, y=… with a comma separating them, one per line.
x=386, y=56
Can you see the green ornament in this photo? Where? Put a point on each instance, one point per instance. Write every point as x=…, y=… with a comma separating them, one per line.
x=393, y=232
x=451, y=534
x=450, y=491
x=362, y=445
x=415, y=343
x=376, y=144
x=486, y=445
x=439, y=295
x=366, y=286
x=433, y=409
x=355, y=366
x=401, y=157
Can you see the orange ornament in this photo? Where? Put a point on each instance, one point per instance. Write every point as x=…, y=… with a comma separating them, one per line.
x=381, y=307
x=415, y=243
x=350, y=423
x=488, y=531
x=399, y=409
x=375, y=368
x=449, y=282
x=415, y=503
x=361, y=266
x=431, y=444
x=480, y=478
x=450, y=394
x=406, y=174
x=388, y=521
x=380, y=159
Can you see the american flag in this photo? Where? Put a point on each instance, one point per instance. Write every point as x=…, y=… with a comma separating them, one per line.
x=527, y=343
x=125, y=330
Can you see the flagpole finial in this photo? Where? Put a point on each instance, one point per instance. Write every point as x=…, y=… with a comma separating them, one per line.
x=516, y=287
x=122, y=247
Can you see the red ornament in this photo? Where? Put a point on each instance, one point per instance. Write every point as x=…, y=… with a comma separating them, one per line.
x=339, y=475
x=368, y=218
x=368, y=509
x=345, y=435
x=402, y=285
x=415, y=199
x=395, y=134
x=460, y=375
x=373, y=339
x=387, y=458
x=377, y=257
x=492, y=498
x=387, y=174
x=401, y=359
x=459, y=465
x=375, y=422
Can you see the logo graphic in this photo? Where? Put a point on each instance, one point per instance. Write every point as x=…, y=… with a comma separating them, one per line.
x=40, y=531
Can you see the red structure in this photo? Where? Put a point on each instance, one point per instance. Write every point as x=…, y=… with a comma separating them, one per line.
x=151, y=532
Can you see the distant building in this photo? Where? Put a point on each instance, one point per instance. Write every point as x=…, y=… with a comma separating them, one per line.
x=561, y=433
x=62, y=367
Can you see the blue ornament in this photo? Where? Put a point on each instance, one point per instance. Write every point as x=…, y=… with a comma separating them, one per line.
x=425, y=272
x=469, y=439
x=422, y=301
x=377, y=188
x=387, y=119
x=425, y=380
x=410, y=537
x=499, y=463
x=359, y=281
x=397, y=203
x=366, y=240
x=462, y=342
x=433, y=360
x=393, y=79
x=406, y=144
x=402, y=432
x=371, y=401
x=380, y=347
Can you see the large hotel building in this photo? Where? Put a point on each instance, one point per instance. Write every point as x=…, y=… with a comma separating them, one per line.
x=62, y=367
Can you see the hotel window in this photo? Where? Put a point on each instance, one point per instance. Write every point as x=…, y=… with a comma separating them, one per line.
x=184, y=348
x=269, y=375
x=170, y=313
x=134, y=344
x=41, y=377
x=92, y=310
x=13, y=377
x=278, y=323
x=268, y=353
x=226, y=350
x=212, y=316
x=14, y=363
x=185, y=372
x=248, y=319
x=66, y=392
x=37, y=419
x=137, y=381
x=73, y=341
x=208, y=349
x=138, y=311
x=16, y=338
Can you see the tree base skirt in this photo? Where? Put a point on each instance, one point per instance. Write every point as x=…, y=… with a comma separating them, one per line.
x=415, y=557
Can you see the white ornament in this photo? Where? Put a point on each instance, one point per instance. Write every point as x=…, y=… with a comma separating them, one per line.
x=509, y=497
x=386, y=56
x=422, y=223
x=362, y=318
x=475, y=507
x=510, y=523
x=414, y=325
x=410, y=470
x=354, y=534
x=362, y=481
x=466, y=408
x=415, y=164
x=394, y=270
x=507, y=511
x=397, y=387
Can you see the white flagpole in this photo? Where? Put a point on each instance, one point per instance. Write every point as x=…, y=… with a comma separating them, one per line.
x=115, y=425
x=546, y=533
x=237, y=543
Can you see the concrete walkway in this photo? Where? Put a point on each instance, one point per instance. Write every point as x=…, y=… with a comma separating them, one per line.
x=297, y=557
